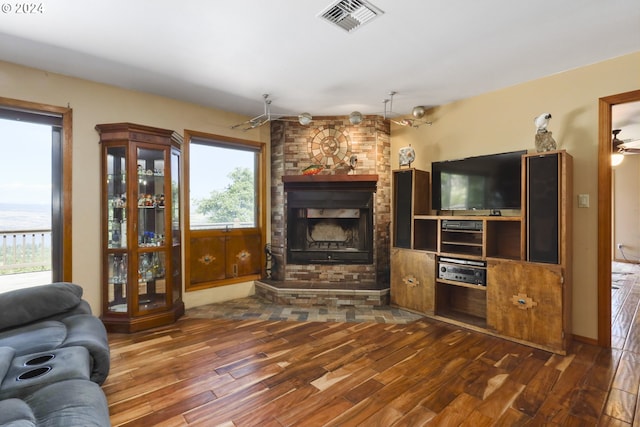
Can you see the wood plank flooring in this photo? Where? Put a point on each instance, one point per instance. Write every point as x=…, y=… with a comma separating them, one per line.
x=227, y=372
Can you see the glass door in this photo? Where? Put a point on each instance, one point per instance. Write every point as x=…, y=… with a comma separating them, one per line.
x=31, y=207
x=117, y=259
x=152, y=228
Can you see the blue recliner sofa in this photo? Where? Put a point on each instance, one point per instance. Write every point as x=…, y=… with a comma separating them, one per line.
x=54, y=355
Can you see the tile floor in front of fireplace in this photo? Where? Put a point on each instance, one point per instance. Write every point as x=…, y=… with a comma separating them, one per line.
x=260, y=309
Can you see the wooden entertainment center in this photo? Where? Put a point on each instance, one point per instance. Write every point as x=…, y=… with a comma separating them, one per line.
x=508, y=275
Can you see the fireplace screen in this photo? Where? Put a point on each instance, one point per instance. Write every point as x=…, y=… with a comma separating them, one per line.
x=333, y=229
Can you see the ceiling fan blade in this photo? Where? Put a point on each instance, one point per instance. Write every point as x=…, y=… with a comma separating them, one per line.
x=628, y=150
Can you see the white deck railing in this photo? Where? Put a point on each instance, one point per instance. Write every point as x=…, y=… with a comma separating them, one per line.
x=25, y=251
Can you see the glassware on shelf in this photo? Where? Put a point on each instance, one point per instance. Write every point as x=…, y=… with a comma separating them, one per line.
x=117, y=283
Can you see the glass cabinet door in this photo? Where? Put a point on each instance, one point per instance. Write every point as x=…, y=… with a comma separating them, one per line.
x=116, y=197
x=151, y=228
x=176, y=267
x=152, y=288
x=151, y=201
x=116, y=238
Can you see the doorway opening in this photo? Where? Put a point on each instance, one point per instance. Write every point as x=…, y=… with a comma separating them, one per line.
x=605, y=208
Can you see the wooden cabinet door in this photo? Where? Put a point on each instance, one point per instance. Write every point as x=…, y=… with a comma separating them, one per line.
x=244, y=255
x=524, y=301
x=412, y=279
x=208, y=259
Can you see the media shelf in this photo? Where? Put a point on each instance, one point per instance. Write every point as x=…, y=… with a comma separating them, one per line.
x=461, y=303
x=493, y=237
x=465, y=242
x=425, y=235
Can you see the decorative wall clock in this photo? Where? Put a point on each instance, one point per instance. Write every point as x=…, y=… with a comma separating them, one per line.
x=329, y=146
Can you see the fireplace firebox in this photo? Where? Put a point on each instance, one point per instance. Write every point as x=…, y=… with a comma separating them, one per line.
x=329, y=228
x=330, y=224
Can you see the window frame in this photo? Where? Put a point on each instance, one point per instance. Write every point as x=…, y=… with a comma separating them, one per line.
x=261, y=204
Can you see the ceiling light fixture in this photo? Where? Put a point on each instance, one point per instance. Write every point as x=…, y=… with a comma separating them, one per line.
x=418, y=113
x=617, y=155
x=304, y=119
x=622, y=147
x=355, y=118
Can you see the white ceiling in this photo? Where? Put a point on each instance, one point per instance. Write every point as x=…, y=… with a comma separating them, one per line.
x=226, y=54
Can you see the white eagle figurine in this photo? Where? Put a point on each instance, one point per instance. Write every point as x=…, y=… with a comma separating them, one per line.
x=544, y=139
x=542, y=121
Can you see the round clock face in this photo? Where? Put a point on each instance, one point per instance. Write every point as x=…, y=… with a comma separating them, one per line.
x=329, y=146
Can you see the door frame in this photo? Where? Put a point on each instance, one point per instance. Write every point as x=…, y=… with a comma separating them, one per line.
x=66, y=114
x=605, y=222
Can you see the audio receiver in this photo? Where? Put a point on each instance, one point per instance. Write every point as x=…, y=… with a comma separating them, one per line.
x=463, y=270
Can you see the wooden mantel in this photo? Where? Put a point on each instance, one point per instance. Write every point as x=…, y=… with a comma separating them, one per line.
x=330, y=182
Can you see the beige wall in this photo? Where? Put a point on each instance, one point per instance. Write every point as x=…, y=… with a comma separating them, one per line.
x=503, y=121
x=94, y=103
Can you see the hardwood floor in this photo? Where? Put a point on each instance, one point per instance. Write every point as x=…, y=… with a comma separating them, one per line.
x=209, y=372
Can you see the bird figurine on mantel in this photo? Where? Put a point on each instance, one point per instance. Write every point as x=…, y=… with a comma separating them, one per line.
x=313, y=169
x=544, y=138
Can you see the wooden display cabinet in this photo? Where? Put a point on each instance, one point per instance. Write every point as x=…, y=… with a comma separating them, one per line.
x=141, y=236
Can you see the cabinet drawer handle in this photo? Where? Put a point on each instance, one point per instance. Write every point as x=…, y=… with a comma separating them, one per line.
x=206, y=259
x=523, y=301
x=411, y=281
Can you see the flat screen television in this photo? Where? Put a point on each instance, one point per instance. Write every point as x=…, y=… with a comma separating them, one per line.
x=490, y=182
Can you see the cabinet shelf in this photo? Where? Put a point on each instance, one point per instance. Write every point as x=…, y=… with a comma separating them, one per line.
x=453, y=242
x=462, y=284
x=464, y=318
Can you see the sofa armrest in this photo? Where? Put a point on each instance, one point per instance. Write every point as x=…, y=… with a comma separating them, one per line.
x=88, y=331
x=15, y=412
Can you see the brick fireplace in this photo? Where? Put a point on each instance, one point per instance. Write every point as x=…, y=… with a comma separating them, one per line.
x=331, y=142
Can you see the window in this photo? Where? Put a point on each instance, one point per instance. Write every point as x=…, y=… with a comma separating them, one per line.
x=223, y=185
x=225, y=213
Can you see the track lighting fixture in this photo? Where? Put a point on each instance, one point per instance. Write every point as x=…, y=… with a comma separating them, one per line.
x=418, y=112
x=304, y=118
x=355, y=118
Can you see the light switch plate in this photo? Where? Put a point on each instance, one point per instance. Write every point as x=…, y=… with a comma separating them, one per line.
x=583, y=200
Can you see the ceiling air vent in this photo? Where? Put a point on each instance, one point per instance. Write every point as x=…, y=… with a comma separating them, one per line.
x=350, y=14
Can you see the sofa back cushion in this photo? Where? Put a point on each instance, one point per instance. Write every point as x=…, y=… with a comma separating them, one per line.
x=23, y=306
